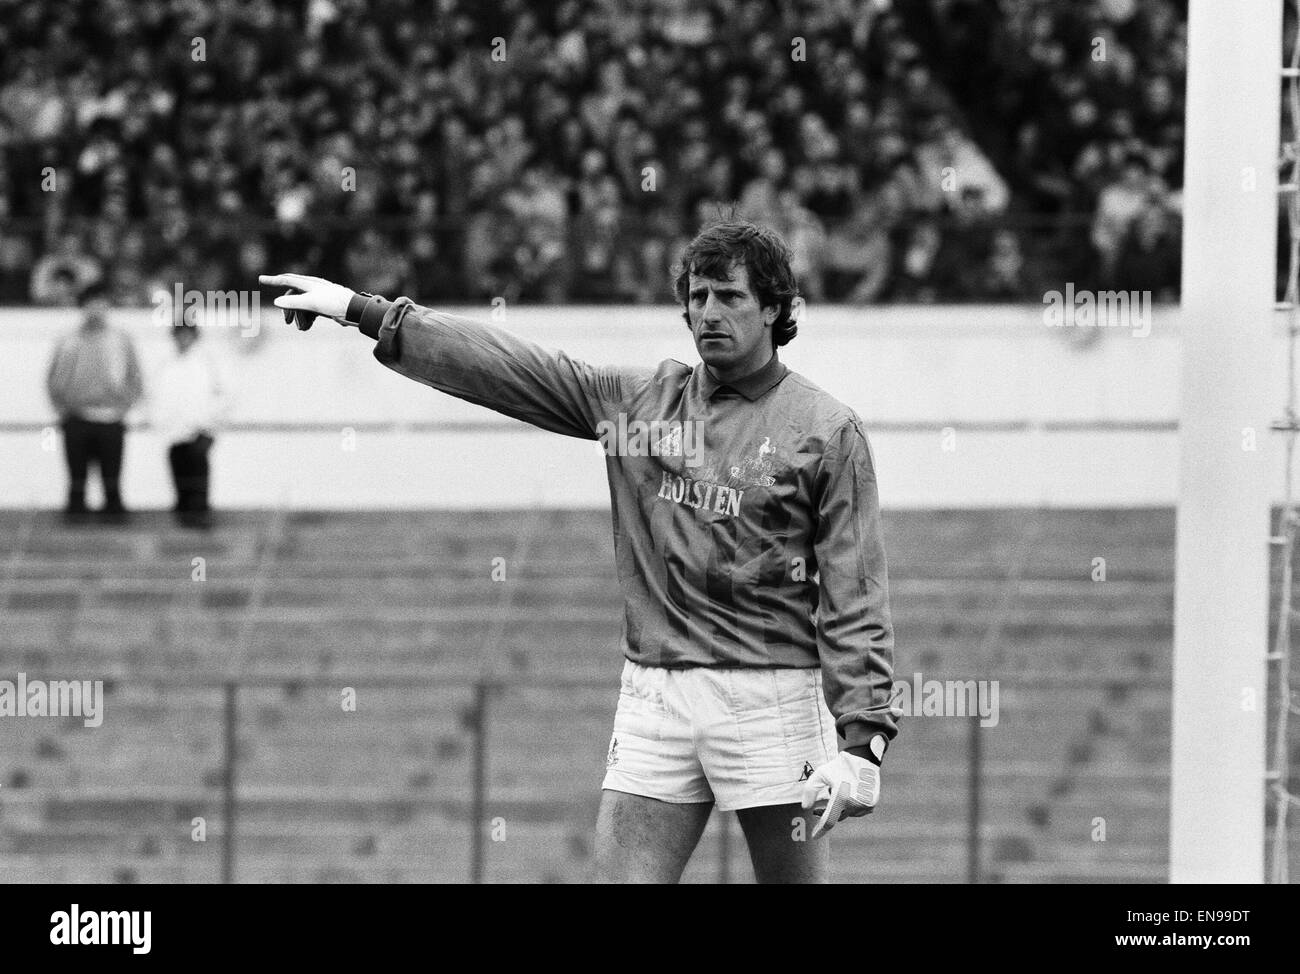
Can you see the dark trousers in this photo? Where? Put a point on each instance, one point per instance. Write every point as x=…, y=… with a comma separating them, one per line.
x=189, y=462
x=86, y=442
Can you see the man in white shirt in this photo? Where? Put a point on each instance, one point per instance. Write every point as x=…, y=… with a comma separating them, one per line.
x=189, y=400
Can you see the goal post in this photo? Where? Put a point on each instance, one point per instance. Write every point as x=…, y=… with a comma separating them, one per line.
x=1230, y=211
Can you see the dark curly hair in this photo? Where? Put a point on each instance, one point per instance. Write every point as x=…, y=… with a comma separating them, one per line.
x=763, y=253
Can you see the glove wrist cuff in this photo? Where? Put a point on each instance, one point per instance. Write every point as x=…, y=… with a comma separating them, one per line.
x=366, y=312
x=872, y=751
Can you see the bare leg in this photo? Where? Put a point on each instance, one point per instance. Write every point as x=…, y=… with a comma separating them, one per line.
x=644, y=840
x=781, y=847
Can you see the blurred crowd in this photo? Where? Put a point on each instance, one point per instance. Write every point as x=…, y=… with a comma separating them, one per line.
x=934, y=150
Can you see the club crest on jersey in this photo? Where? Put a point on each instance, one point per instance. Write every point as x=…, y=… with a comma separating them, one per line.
x=757, y=471
x=656, y=438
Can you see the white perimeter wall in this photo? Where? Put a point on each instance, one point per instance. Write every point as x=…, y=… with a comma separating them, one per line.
x=1036, y=419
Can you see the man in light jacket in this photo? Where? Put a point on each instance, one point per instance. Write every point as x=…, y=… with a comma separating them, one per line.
x=93, y=381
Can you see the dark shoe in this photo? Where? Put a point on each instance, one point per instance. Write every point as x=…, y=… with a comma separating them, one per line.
x=197, y=520
x=115, y=515
x=76, y=516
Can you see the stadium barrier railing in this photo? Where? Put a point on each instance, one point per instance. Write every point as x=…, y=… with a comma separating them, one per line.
x=482, y=691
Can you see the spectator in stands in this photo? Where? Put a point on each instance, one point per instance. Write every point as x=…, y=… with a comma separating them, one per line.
x=539, y=208
x=1003, y=276
x=1118, y=206
x=15, y=268
x=93, y=381
x=760, y=202
x=372, y=257
x=652, y=268
x=485, y=250
x=33, y=100
x=67, y=258
x=596, y=240
x=954, y=172
x=125, y=280
x=61, y=290
x=430, y=276
x=937, y=258
x=1046, y=183
x=859, y=253
x=1149, y=257
x=188, y=401
x=918, y=264
x=806, y=235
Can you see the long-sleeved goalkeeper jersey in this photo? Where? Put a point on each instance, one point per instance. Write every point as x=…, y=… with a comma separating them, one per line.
x=747, y=526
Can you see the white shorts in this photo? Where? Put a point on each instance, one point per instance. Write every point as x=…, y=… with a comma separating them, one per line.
x=737, y=737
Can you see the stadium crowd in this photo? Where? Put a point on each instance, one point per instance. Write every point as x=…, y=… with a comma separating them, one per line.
x=934, y=150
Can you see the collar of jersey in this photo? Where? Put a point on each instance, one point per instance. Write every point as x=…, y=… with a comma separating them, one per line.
x=751, y=386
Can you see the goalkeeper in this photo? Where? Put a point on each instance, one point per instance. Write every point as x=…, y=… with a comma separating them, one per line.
x=756, y=632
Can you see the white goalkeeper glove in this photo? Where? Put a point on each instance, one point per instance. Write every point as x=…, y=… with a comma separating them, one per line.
x=308, y=297
x=844, y=787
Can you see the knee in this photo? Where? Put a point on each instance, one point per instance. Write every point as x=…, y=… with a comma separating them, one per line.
x=607, y=866
x=621, y=863
x=610, y=861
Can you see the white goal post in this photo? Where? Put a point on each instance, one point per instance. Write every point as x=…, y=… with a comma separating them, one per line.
x=1230, y=210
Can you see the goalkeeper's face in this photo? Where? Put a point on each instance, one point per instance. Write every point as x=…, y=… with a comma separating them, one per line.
x=732, y=331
